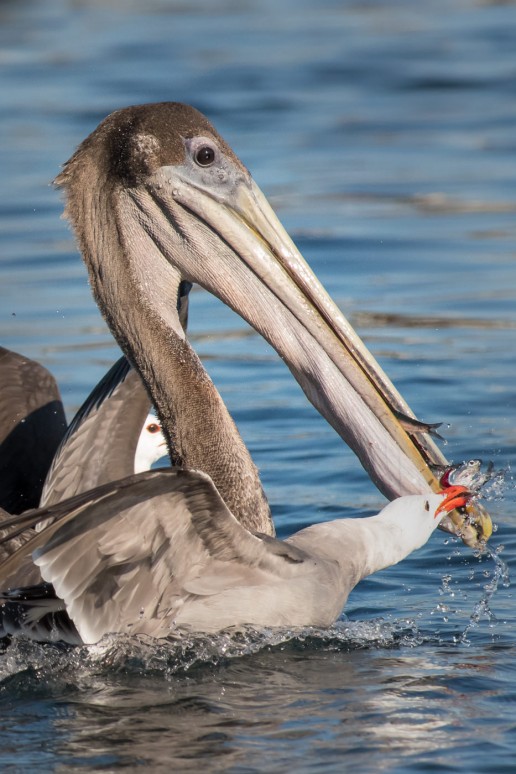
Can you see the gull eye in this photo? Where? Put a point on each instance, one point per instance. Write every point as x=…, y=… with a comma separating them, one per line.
x=205, y=156
x=153, y=428
x=427, y=505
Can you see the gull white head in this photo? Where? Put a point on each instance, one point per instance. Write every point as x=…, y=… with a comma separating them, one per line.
x=151, y=445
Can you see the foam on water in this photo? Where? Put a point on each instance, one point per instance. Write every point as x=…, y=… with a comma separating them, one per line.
x=180, y=655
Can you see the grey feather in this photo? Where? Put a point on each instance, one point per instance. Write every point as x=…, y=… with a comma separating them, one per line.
x=100, y=443
x=132, y=555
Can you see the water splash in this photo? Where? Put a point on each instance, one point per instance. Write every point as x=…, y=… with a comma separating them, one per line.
x=179, y=655
x=483, y=609
x=30, y=663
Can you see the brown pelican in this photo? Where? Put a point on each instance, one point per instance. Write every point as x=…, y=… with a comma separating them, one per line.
x=32, y=425
x=157, y=198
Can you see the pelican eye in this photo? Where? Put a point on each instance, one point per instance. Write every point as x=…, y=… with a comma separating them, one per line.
x=205, y=156
x=153, y=428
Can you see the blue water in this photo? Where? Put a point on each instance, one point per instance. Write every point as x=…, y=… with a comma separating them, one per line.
x=384, y=135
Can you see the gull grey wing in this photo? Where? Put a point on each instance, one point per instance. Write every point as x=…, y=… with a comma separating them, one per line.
x=130, y=561
x=32, y=424
x=100, y=443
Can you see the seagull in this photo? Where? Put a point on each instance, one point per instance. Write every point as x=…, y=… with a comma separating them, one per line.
x=160, y=554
